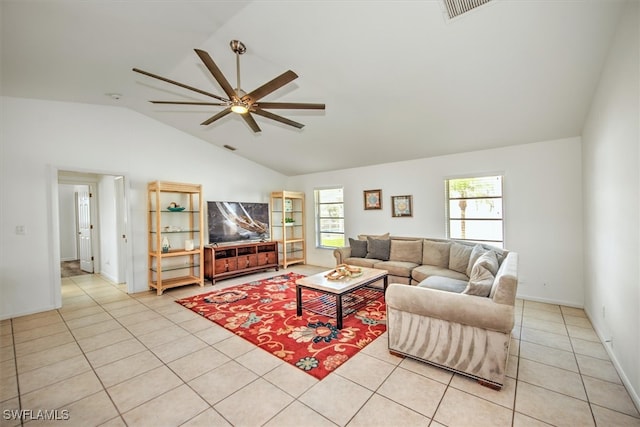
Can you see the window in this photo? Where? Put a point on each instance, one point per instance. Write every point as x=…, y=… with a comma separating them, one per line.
x=329, y=218
x=474, y=209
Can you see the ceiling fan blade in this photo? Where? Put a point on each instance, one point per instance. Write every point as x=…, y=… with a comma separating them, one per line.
x=189, y=103
x=290, y=105
x=277, y=118
x=220, y=115
x=251, y=122
x=217, y=74
x=267, y=88
x=164, y=79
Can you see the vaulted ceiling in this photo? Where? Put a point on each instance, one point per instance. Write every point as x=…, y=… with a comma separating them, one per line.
x=399, y=80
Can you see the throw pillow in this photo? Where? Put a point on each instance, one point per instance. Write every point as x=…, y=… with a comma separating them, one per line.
x=480, y=282
x=406, y=250
x=477, y=251
x=436, y=253
x=459, y=257
x=489, y=261
x=358, y=248
x=378, y=248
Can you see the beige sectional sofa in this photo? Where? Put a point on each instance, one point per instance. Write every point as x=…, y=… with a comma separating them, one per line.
x=460, y=313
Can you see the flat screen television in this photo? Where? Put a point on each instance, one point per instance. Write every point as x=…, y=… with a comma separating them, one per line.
x=237, y=221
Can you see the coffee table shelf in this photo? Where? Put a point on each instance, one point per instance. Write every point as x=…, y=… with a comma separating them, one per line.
x=339, y=297
x=325, y=304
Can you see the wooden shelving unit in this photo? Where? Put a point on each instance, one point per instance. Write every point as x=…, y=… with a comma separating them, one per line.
x=288, y=206
x=179, y=265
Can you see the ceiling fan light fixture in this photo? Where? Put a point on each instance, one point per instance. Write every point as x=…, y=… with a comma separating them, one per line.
x=240, y=108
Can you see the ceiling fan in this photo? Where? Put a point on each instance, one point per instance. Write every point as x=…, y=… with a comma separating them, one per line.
x=238, y=101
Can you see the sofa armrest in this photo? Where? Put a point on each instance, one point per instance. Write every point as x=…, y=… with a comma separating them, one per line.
x=341, y=254
x=480, y=312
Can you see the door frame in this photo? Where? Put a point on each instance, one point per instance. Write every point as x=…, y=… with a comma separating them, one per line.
x=54, y=227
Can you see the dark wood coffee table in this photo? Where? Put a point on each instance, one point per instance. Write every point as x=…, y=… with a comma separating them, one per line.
x=341, y=289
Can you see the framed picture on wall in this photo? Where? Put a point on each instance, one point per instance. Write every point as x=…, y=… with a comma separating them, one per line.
x=372, y=199
x=401, y=206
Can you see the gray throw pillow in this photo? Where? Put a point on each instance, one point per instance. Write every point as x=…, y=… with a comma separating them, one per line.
x=378, y=248
x=358, y=248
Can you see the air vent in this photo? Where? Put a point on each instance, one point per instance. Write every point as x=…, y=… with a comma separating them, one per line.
x=456, y=8
x=229, y=147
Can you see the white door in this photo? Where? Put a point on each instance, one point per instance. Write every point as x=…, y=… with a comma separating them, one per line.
x=84, y=230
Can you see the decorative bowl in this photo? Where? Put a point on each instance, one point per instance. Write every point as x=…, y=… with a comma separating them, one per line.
x=176, y=209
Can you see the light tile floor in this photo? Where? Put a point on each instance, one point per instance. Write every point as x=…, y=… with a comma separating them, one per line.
x=112, y=359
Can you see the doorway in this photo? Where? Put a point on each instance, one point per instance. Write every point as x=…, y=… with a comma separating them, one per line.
x=76, y=230
x=92, y=222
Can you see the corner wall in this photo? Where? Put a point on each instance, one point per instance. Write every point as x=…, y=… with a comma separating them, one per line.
x=542, y=208
x=611, y=159
x=38, y=137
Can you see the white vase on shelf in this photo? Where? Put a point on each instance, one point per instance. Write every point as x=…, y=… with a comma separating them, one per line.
x=165, y=245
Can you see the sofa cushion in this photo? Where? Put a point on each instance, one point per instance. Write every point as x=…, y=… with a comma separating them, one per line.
x=406, y=250
x=378, y=248
x=476, y=252
x=459, y=257
x=396, y=268
x=358, y=248
x=361, y=262
x=423, y=271
x=436, y=253
x=444, y=284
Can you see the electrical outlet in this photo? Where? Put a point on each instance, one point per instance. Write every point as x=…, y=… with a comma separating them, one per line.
x=20, y=229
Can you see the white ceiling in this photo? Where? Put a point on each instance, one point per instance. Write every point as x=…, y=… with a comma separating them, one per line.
x=399, y=80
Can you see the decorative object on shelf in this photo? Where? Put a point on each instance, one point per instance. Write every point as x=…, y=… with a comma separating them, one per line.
x=344, y=271
x=165, y=245
x=238, y=101
x=174, y=207
x=188, y=245
x=288, y=205
x=289, y=221
x=372, y=199
x=402, y=206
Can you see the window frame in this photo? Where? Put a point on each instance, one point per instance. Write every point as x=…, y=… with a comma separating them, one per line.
x=318, y=218
x=501, y=197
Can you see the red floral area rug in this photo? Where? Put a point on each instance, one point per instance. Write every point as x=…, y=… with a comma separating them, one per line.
x=264, y=313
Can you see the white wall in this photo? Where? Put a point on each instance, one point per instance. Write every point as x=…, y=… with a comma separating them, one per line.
x=611, y=160
x=38, y=136
x=108, y=228
x=543, y=208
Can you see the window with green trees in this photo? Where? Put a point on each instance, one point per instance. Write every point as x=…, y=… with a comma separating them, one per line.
x=475, y=209
x=329, y=217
